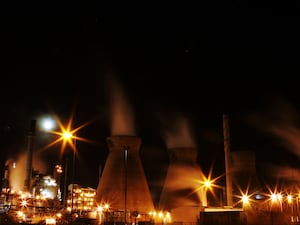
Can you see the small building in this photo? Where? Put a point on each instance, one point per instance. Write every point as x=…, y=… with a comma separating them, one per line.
x=83, y=200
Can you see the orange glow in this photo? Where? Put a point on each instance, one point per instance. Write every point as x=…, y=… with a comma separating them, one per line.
x=208, y=182
x=245, y=199
x=205, y=184
x=290, y=198
x=24, y=203
x=58, y=168
x=67, y=135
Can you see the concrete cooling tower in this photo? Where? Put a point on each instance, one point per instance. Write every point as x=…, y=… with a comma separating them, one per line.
x=243, y=168
x=123, y=183
x=182, y=180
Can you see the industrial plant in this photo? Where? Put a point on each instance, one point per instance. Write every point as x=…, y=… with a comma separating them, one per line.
x=123, y=194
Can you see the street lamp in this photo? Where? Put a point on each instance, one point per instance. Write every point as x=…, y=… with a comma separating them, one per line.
x=69, y=137
x=126, y=148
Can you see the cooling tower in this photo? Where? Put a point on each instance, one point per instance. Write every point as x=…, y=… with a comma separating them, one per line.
x=243, y=167
x=182, y=180
x=123, y=183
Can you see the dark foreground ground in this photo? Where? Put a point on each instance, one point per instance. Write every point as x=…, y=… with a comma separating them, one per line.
x=6, y=220
x=251, y=218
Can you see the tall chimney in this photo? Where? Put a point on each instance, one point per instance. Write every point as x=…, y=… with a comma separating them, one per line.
x=31, y=135
x=227, y=160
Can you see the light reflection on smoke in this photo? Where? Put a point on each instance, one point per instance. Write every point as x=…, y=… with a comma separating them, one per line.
x=122, y=122
x=17, y=169
x=17, y=172
x=283, y=172
x=180, y=136
x=187, y=178
x=282, y=122
x=291, y=137
x=182, y=184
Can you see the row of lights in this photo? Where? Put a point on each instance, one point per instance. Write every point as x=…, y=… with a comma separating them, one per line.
x=161, y=216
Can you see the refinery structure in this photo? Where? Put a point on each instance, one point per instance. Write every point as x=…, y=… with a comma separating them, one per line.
x=123, y=195
x=41, y=196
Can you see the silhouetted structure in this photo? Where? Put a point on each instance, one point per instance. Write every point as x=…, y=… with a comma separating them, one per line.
x=244, y=175
x=123, y=183
x=182, y=179
x=31, y=136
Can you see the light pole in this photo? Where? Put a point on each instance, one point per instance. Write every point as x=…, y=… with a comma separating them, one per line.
x=68, y=136
x=126, y=148
x=65, y=183
x=73, y=175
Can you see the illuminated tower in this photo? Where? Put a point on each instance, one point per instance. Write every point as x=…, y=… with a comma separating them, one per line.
x=123, y=183
x=182, y=180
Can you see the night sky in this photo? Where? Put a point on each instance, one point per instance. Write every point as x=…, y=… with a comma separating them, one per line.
x=168, y=68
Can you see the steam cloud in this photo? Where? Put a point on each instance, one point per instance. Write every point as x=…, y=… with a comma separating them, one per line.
x=184, y=177
x=122, y=122
x=180, y=136
x=281, y=122
x=17, y=169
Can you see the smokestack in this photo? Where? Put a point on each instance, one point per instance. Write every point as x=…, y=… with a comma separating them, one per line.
x=227, y=160
x=123, y=183
x=31, y=135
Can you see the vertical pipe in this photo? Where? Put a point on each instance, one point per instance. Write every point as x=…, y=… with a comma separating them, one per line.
x=31, y=134
x=125, y=190
x=65, y=184
x=227, y=160
x=73, y=175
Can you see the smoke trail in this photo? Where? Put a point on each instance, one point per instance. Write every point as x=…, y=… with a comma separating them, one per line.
x=180, y=135
x=281, y=122
x=17, y=169
x=122, y=122
x=184, y=174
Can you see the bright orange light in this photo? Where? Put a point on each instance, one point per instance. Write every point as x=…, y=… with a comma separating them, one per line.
x=58, y=169
x=24, y=203
x=207, y=183
x=245, y=199
x=67, y=135
x=106, y=206
x=289, y=198
x=160, y=214
x=279, y=197
x=273, y=197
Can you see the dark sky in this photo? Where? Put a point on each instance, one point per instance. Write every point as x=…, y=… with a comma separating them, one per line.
x=169, y=67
